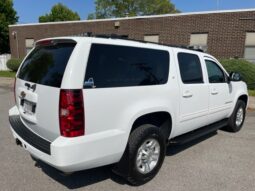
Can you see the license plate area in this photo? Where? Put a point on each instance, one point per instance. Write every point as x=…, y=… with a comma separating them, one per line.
x=28, y=106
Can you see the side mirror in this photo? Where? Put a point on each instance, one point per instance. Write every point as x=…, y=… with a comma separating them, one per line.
x=235, y=77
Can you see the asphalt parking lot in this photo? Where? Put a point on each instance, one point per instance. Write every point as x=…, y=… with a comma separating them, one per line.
x=219, y=161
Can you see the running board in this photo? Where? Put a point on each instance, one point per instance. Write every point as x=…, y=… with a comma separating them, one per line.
x=190, y=136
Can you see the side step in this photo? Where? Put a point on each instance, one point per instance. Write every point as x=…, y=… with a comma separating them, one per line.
x=190, y=136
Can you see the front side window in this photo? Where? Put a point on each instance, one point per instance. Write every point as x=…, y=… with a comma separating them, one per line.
x=190, y=68
x=121, y=66
x=215, y=73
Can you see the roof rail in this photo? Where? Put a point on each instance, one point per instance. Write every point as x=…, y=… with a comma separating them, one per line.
x=113, y=36
x=125, y=37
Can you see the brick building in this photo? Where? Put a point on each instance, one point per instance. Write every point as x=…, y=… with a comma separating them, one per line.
x=224, y=34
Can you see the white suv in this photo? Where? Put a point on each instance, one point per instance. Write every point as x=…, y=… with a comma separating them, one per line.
x=84, y=102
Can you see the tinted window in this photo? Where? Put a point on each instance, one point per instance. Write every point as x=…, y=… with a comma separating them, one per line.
x=46, y=64
x=190, y=68
x=215, y=74
x=120, y=66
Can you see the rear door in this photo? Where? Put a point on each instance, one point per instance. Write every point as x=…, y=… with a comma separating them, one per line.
x=122, y=81
x=38, y=85
x=194, y=101
x=220, y=91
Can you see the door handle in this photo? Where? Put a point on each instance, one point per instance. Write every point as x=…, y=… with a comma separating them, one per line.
x=187, y=94
x=214, y=92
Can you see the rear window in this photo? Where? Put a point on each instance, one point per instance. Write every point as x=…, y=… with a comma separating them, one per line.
x=120, y=66
x=46, y=64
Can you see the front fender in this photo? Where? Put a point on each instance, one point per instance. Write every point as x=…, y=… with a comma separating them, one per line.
x=240, y=89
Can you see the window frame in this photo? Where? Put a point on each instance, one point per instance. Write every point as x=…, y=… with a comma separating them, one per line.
x=249, y=43
x=249, y=59
x=29, y=48
x=203, y=46
x=219, y=66
x=201, y=67
x=150, y=36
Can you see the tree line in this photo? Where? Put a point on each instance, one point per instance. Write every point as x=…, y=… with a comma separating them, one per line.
x=103, y=9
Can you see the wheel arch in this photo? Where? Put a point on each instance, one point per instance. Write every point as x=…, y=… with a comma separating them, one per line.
x=244, y=98
x=239, y=96
x=161, y=119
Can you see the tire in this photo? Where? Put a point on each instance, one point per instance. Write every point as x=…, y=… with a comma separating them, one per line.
x=236, y=120
x=146, y=143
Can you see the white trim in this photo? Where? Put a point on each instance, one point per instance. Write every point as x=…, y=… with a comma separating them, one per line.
x=138, y=17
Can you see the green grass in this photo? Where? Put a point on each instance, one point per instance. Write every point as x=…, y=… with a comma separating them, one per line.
x=251, y=92
x=9, y=74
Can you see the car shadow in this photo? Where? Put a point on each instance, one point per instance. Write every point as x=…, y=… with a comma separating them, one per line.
x=92, y=176
x=81, y=178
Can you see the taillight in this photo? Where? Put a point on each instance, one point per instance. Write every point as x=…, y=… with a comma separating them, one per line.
x=14, y=90
x=71, y=113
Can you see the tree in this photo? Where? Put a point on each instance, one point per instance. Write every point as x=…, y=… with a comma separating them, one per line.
x=8, y=16
x=59, y=12
x=122, y=8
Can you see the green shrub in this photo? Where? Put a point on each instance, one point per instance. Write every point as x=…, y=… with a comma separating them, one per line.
x=245, y=68
x=14, y=63
x=8, y=74
x=251, y=92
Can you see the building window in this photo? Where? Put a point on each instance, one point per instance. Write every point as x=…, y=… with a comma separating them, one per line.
x=29, y=44
x=151, y=38
x=199, y=41
x=249, y=50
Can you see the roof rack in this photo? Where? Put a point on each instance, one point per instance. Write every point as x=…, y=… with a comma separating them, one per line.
x=125, y=37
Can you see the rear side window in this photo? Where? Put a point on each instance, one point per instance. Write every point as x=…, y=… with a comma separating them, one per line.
x=46, y=64
x=190, y=68
x=120, y=66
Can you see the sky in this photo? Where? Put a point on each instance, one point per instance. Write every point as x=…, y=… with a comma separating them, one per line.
x=30, y=10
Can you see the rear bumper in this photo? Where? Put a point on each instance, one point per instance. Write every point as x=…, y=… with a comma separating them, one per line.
x=27, y=135
x=73, y=154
